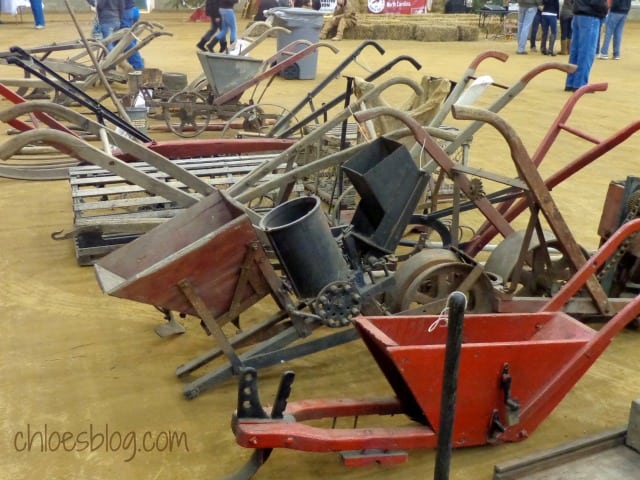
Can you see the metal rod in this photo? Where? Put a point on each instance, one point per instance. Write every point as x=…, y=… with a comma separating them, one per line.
x=457, y=303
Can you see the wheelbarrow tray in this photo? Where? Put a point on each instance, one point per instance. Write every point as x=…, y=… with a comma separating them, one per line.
x=534, y=345
x=206, y=245
x=225, y=72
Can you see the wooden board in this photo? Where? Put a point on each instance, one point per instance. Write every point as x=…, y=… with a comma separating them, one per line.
x=108, y=211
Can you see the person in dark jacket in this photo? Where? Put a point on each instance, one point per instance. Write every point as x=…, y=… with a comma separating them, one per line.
x=613, y=27
x=227, y=24
x=549, y=22
x=110, y=13
x=587, y=15
x=212, y=9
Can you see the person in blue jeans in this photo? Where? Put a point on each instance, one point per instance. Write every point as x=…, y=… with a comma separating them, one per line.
x=37, y=9
x=587, y=15
x=227, y=24
x=212, y=9
x=110, y=13
x=549, y=15
x=535, y=25
x=130, y=16
x=614, y=26
x=526, y=13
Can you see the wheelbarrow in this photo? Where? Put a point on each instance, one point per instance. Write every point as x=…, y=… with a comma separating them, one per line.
x=209, y=262
x=500, y=397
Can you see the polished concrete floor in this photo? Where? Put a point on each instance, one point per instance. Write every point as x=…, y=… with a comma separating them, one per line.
x=78, y=366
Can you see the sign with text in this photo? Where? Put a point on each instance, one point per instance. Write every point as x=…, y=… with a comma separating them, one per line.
x=404, y=7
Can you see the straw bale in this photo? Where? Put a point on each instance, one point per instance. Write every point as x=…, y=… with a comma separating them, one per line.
x=468, y=33
x=435, y=33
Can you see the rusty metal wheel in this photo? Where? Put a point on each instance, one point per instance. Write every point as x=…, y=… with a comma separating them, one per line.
x=407, y=272
x=256, y=120
x=191, y=111
x=430, y=289
x=545, y=269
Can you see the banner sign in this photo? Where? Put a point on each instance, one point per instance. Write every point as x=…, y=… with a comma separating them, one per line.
x=404, y=7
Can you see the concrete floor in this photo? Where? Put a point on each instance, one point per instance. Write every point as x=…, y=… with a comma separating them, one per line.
x=73, y=359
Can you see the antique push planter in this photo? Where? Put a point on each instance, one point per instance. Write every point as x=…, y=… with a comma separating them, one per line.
x=514, y=370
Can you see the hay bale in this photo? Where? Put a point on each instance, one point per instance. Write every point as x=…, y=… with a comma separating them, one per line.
x=395, y=31
x=435, y=33
x=361, y=31
x=468, y=33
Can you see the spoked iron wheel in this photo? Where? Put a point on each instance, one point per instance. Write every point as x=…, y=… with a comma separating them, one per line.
x=191, y=111
x=256, y=119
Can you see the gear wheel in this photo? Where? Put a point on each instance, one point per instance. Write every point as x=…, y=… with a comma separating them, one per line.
x=337, y=303
x=476, y=189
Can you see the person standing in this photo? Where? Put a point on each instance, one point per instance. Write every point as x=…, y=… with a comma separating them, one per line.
x=212, y=9
x=587, y=15
x=37, y=9
x=526, y=13
x=549, y=16
x=344, y=16
x=110, y=13
x=131, y=15
x=614, y=26
x=228, y=24
x=535, y=25
x=566, y=17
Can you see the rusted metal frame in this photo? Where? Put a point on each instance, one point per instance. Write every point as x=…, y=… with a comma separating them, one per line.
x=467, y=133
x=269, y=73
x=237, y=340
x=336, y=100
x=540, y=194
x=245, y=190
x=486, y=231
x=125, y=144
x=72, y=91
x=569, y=373
x=49, y=121
x=271, y=352
x=564, y=173
x=90, y=153
x=308, y=99
x=211, y=323
x=532, y=224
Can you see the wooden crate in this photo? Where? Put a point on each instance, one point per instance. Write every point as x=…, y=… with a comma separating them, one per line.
x=108, y=211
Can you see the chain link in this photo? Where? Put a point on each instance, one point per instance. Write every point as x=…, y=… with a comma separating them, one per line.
x=633, y=208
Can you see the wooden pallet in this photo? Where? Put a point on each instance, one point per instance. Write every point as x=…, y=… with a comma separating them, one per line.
x=109, y=211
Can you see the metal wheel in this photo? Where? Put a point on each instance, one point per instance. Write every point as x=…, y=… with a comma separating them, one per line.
x=410, y=269
x=430, y=289
x=256, y=119
x=192, y=112
x=545, y=269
